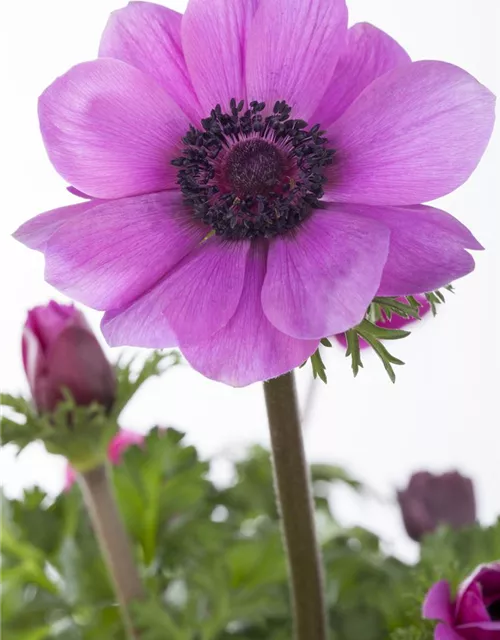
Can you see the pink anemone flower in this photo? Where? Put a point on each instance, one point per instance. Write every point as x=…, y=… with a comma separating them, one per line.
x=474, y=613
x=255, y=171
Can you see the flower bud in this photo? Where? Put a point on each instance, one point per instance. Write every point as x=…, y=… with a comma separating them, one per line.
x=432, y=500
x=61, y=352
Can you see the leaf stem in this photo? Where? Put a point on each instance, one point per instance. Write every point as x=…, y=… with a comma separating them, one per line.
x=113, y=540
x=295, y=505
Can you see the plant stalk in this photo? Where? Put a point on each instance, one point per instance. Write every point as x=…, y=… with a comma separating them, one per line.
x=113, y=541
x=295, y=506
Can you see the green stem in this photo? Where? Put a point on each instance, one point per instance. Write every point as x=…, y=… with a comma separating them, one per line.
x=295, y=505
x=113, y=540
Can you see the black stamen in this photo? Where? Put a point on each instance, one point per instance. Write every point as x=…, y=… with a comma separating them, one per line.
x=248, y=176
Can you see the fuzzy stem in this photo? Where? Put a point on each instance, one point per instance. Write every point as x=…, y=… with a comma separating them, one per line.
x=113, y=540
x=295, y=505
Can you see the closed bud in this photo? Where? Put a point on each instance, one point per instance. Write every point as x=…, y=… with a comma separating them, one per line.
x=433, y=500
x=61, y=352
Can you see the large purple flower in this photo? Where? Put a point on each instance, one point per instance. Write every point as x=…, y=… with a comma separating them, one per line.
x=475, y=612
x=255, y=171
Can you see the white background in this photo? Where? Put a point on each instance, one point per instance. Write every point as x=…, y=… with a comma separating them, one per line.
x=443, y=411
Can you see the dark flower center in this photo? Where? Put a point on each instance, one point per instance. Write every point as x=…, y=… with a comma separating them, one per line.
x=247, y=175
x=494, y=610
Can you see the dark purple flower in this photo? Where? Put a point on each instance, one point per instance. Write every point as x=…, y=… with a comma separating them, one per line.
x=395, y=322
x=255, y=173
x=431, y=500
x=475, y=612
x=60, y=351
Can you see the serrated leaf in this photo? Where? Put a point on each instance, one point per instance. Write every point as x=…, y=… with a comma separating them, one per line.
x=381, y=333
x=353, y=350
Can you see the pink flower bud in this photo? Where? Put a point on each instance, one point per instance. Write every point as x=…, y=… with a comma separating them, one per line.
x=431, y=500
x=60, y=351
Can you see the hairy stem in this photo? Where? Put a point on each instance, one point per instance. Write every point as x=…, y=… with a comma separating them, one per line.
x=113, y=540
x=292, y=484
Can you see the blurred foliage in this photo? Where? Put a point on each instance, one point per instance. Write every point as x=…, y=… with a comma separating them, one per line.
x=211, y=558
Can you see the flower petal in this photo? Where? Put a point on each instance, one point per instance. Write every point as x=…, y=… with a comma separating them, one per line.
x=148, y=37
x=444, y=632
x=413, y=135
x=293, y=47
x=249, y=348
x=36, y=232
x=472, y=606
x=437, y=604
x=120, y=248
x=189, y=304
x=368, y=54
x=110, y=130
x=141, y=324
x=321, y=279
x=480, y=630
x=214, y=39
x=202, y=294
x=427, y=248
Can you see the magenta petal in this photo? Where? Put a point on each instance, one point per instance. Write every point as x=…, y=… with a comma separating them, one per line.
x=249, y=348
x=191, y=303
x=321, y=279
x=78, y=193
x=369, y=53
x=214, y=35
x=413, y=135
x=487, y=630
x=110, y=130
x=35, y=233
x=427, y=248
x=472, y=607
x=141, y=324
x=120, y=248
x=444, y=632
x=148, y=36
x=437, y=604
x=202, y=294
x=293, y=47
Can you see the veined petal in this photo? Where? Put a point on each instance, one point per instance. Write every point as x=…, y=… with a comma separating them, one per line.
x=321, y=279
x=202, y=294
x=120, y=248
x=293, y=47
x=110, y=130
x=249, y=348
x=427, y=248
x=369, y=53
x=36, y=232
x=413, y=135
x=214, y=38
x=148, y=37
x=191, y=303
